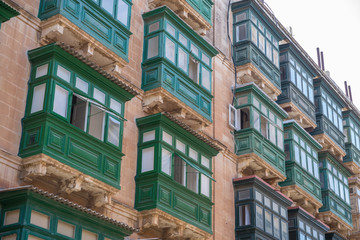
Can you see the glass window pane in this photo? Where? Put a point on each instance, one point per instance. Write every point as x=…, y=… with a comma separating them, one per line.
x=179, y=170
x=272, y=133
x=192, y=178
x=99, y=95
x=259, y=217
x=170, y=49
x=147, y=159
x=256, y=120
x=276, y=227
x=12, y=217
x=241, y=32
x=183, y=40
x=297, y=154
x=193, y=154
x=61, y=101
x=194, y=50
x=303, y=159
x=284, y=230
x=267, y=202
x=63, y=73
x=205, y=185
x=258, y=196
x=275, y=57
x=292, y=75
x=268, y=50
x=40, y=219
x=123, y=12
x=37, y=103
x=32, y=237
x=262, y=42
x=149, y=136
x=268, y=222
x=180, y=146
x=205, y=80
x=96, y=122
x=79, y=110
x=153, y=27
x=244, y=215
x=167, y=137
x=310, y=165
x=115, y=105
x=87, y=235
x=170, y=29
x=113, y=131
x=41, y=70
x=108, y=5
x=280, y=139
x=240, y=17
x=166, y=161
x=66, y=229
x=153, y=47
x=254, y=35
x=182, y=60
x=82, y=85
x=205, y=59
x=205, y=161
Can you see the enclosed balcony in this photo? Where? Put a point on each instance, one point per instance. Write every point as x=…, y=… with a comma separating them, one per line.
x=30, y=213
x=260, y=210
x=100, y=30
x=336, y=210
x=196, y=13
x=302, y=184
x=6, y=12
x=297, y=91
x=352, y=141
x=258, y=130
x=329, y=130
x=256, y=47
x=304, y=226
x=173, y=181
x=73, y=125
x=177, y=69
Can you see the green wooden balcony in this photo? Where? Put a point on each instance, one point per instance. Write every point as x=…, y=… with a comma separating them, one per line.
x=256, y=47
x=73, y=124
x=259, y=141
x=302, y=184
x=177, y=68
x=33, y=214
x=352, y=141
x=260, y=210
x=336, y=210
x=329, y=130
x=173, y=181
x=6, y=12
x=99, y=29
x=297, y=90
x=196, y=13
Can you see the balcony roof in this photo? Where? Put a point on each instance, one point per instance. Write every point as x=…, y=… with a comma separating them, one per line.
x=302, y=212
x=292, y=123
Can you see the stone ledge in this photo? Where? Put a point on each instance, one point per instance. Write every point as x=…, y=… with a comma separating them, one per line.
x=295, y=113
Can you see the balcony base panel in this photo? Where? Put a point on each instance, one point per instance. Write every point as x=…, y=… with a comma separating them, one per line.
x=252, y=164
x=155, y=223
x=335, y=223
x=66, y=180
x=299, y=116
x=186, y=12
x=302, y=198
x=249, y=73
x=159, y=100
x=328, y=145
x=60, y=29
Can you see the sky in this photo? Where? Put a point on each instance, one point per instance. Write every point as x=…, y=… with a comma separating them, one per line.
x=334, y=27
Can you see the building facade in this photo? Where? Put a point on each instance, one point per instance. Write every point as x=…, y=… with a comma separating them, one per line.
x=169, y=119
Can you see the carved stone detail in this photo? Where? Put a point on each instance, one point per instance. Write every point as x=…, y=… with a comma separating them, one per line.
x=300, y=117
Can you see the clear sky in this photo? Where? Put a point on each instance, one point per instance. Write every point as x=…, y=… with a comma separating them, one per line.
x=334, y=27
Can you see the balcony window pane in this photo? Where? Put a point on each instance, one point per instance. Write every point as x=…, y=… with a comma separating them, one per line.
x=180, y=146
x=115, y=105
x=298, y=81
x=154, y=27
x=12, y=217
x=292, y=75
x=259, y=217
x=258, y=196
x=240, y=17
x=60, y=101
x=264, y=127
x=267, y=202
x=170, y=50
x=241, y=32
x=66, y=229
x=305, y=88
x=87, y=235
x=284, y=230
x=82, y=85
x=276, y=227
x=63, y=73
x=78, y=112
x=280, y=139
x=38, y=98
x=149, y=136
x=183, y=40
x=182, y=60
x=96, y=122
x=193, y=154
x=272, y=133
x=153, y=47
x=261, y=42
x=256, y=120
x=268, y=222
x=194, y=69
x=113, y=131
x=123, y=12
x=303, y=159
x=254, y=35
x=205, y=161
x=41, y=70
x=311, y=95
x=40, y=219
x=166, y=161
x=336, y=186
x=205, y=59
x=205, y=185
x=147, y=159
x=167, y=137
x=32, y=237
x=297, y=154
x=310, y=165
x=192, y=178
x=99, y=95
x=302, y=236
x=268, y=50
x=194, y=50
x=205, y=81
x=316, y=170
x=276, y=57
x=179, y=170
x=244, y=215
x=108, y=5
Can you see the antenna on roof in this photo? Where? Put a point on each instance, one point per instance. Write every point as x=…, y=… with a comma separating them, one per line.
x=348, y=91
